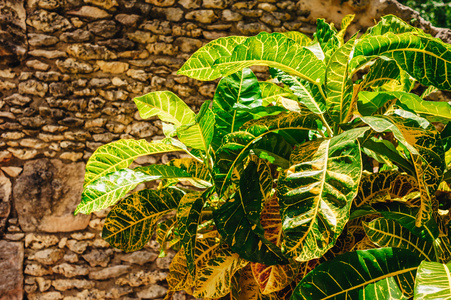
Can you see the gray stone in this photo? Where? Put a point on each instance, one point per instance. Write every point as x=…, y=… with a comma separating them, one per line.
x=105, y=28
x=48, y=22
x=46, y=194
x=107, y=273
x=11, y=276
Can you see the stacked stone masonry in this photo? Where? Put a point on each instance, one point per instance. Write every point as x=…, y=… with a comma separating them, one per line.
x=69, y=70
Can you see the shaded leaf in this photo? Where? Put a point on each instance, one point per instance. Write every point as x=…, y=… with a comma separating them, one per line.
x=165, y=235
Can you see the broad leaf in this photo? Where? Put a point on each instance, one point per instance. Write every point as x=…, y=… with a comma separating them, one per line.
x=326, y=36
x=188, y=217
x=433, y=281
x=166, y=106
x=354, y=274
x=393, y=24
x=273, y=50
x=197, y=170
x=272, y=93
x=380, y=73
x=300, y=38
x=388, y=233
x=130, y=224
x=199, y=65
x=339, y=86
x=345, y=22
x=120, y=154
x=238, y=220
x=424, y=58
x=165, y=235
x=374, y=103
x=199, y=134
x=316, y=193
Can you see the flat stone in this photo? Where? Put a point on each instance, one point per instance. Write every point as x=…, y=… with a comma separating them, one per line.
x=115, y=67
x=188, y=44
x=50, y=54
x=219, y=4
x=142, y=37
x=17, y=99
x=48, y=76
x=7, y=85
x=163, y=3
x=5, y=194
x=118, y=44
x=77, y=246
x=38, y=40
x=141, y=278
x=90, y=12
x=203, y=16
x=43, y=284
x=72, y=156
x=47, y=256
x=157, y=26
x=89, y=51
x=97, y=257
x=114, y=95
x=139, y=257
x=152, y=292
x=72, y=66
x=12, y=171
x=70, y=271
x=190, y=4
x=48, y=22
x=37, y=65
x=33, y=122
x=76, y=36
x=46, y=194
x=128, y=20
x=106, y=4
x=231, y=16
x=80, y=236
x=23, y=154
x=104, y=28
x=140, y=75
x=35, y=269
x=45, y=296
x=107, y=273
x=68, y=284
x=119, y=292
x=252, y=28
x=39, y=241
x=11, y=276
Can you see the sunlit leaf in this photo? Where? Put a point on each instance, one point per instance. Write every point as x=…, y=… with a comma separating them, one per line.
x=300, y=38
x=380, y=73
x=433, y=281
x=271, y=93
x=326, y=36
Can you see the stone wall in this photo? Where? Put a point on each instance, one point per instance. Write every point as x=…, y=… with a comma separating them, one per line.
x=68, y=72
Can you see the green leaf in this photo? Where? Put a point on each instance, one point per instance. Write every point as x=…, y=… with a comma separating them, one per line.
x=165, y=236
x=306, y=93
x=166, y=106
x=381, y=72
x=433, y=281
x=198, y=171
x=393, y=24
x=273, y=50
x=354, y=274
x=130, y=224
x=371, y=103
x=388, y=233
x=300, y=38
x=425, y=59
x=199, y=134
x=199, y=65
x=120, y=154
x=235, y=91
x=188, y=217
x=316, y=193
x=345, y=22
x=271, y=93
x=326, y=36
x=339, y=86
x=430, y=89
x=238, y=220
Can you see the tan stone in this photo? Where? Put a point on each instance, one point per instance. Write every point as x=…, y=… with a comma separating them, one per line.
x=12, y=171
x=11, y=266
x=139, y=257
x=47, y=256
x=37, y=65
x=161, y=2
x=45, y=296
x=90, y=12
x=23, y=154
x=108, y=273
x=33, y=143
x=72, y=66
x=72, y=156
x=38, y=241
x=106, y=4
x=68, y=284
x=7, y=85
x=115, y=67
x=202, y=16
x=43, y=284
x=98, y=257
x=77, y=246
x=89, y=51
x=142, y=37
x=37, y=270
x=50, y=54
x=70, y=270
x=12, y=135
x=141, y=278
x=152, y=291
x=48, y=22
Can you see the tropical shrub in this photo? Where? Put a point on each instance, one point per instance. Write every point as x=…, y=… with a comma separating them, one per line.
x=328, y=181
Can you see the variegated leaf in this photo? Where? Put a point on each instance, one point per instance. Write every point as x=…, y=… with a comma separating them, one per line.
x=363, y=274
x=393, y=24
x=326, y=36
x=433, y=281
x=120, y=154
x=130, y=224
x=238, y=220
x=196, y=169
x=345, y=22
x=167, y=106
x=300, y=38
x=316, y=193
x=272, y=93
x=273, y=50
x=165, y=235
x=199, y=66
x=388, y=233
x=380, y=73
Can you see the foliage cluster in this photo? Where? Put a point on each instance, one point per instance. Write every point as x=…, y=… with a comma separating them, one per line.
x=436, y=12
x=329, y=181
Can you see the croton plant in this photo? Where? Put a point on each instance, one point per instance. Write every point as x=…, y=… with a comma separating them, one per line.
x=327, y=181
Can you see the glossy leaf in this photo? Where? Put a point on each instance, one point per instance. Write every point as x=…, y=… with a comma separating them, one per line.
x=243, y=212
x=433, y=281
x=424, y=58
x=166, y=106
x=120, y=154
x=300, y=38
x=339, y=86
x=273, y=50
x=345, y=22
x=380, y=73
x=197, y=171
x=388, y=233
x=199, y=65
x=316, y=193
x=355, y=273
x=326, y=36
x=372, y=103
x=271, y=93
x=130, y=224
x=393, y=24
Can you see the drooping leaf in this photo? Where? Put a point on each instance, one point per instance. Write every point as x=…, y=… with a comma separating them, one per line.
x=188, y=217
x=273, y=50
x=130, y=224
x=388, y=233
x=167, y=106
x=426, y=59
x=355, y=273
x=430, y=89
x=345, y=22
x=316, y=193
x=199, y=66
x=238, y=220
x=165, y=235
x=120, y=154
x=380, y=73
x=433, y=281
x=339, y=86
x=199, y=134
x=235, y=91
